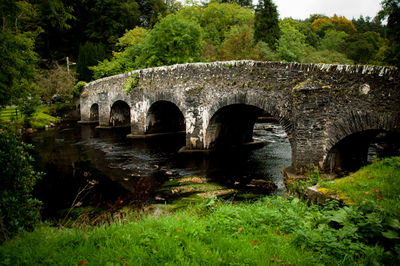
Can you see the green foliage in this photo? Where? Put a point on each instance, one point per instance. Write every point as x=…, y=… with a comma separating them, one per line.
x=18, y=211
x=89, y=55
x=173, y=40
x=327, y=57
x=216, y=20
x=367, y=24
x=238, y=44
x=334, y=41
x=109, y=19
x=306, y=29
x=245, y=3
x=377, y=182
x=273, y=230
x=132, y=38
x=359, y=49
x=28, y=106
x=291, y=45
x=152, y=10
x=265, y=52
x=391, y=11
x=299, y=187
x=266, y=23
x=18, y=65
x=78, y=88
x=56, y=80
x=131, y=83
x=124, y=61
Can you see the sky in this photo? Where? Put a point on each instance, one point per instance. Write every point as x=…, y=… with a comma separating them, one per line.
x=301, y=9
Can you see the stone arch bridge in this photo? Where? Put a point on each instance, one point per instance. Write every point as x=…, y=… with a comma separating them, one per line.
x=329, y=112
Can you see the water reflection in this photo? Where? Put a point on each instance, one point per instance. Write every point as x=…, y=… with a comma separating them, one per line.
x=75, y=155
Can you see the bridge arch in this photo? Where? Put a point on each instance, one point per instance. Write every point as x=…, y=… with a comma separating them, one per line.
x=94, y=112
x=164, y=117
x=231, y=125
x=350, y=140
x=120, y=115
x=251, y=105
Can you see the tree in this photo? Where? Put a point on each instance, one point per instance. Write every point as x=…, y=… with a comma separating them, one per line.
x=56, y=80
x=173, y=40
x=266, y=23
x=291, y=44
x=109, y=19
x=216, y=19
x=359, y=49
x=343, y=24
x=391, y=11
x=129, y=48
x=306, y=29
x=238, y=44
x=151, y=11
x=17, y=56
x=245, y=3
x=90, y=54
x=334, y=41
x=322, y=25
x=367, y=24
x=132, y=37
x=54, y=17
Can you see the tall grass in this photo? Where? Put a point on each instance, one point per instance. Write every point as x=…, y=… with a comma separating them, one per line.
x=271, y=231
x=379, y=182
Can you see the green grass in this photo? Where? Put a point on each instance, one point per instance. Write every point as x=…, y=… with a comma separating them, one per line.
x=207, y=231
x=8, y=113
x=43, y=116
x=379, y=182
x=272, y=230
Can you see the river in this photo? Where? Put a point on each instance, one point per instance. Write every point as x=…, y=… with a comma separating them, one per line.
x=85, y=166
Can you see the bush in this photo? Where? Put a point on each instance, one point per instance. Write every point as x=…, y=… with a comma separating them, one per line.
x=327, y=57
x=78, y=88
x=56, y=81
x=28, y=107
x=18, y=211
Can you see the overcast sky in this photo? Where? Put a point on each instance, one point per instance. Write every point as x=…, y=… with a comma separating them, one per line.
x=301, y=9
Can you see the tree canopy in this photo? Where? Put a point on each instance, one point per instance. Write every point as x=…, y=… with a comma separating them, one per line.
x=266, y=23
x=107, y=37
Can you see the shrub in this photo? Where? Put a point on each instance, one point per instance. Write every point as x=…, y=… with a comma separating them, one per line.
x=18, y=210
x=56, y=81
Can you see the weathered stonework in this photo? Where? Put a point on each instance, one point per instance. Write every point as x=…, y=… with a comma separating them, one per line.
x=318, y=105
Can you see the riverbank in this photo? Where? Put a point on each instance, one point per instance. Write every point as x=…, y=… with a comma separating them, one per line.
x=272, y=230
x=45, y=116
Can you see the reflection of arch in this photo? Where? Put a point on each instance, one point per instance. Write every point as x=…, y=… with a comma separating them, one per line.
x=348, y=139
x=163, y=117
x=231, y=125
x=120, y=115
x=94, y=112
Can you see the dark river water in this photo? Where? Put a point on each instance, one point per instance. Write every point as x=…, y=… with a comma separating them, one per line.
x=97, y=167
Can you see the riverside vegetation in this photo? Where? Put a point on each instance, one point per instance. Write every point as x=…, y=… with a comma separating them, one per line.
x=271, y=230
x=110, y=37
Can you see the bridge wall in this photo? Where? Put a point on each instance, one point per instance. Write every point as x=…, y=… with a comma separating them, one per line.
x=317, y=105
